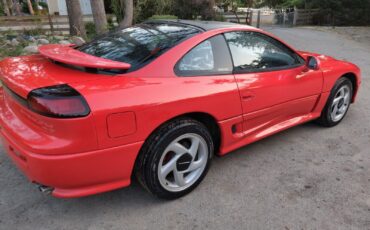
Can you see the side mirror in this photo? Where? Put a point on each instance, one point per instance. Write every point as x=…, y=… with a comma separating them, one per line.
x=312, y=63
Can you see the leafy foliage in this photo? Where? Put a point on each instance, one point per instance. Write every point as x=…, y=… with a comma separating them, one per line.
x=117, y=9
x=184, y=9
x=344, y=12
x=2, y=9
x=147, y=8
x=90, y=30
x=158, y=17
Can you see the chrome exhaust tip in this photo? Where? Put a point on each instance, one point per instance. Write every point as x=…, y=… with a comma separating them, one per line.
x=45, y=189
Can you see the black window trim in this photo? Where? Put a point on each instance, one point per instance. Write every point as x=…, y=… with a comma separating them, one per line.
x=198, y=73
x=238, y=71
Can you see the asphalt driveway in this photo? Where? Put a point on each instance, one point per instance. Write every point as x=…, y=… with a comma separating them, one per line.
x=308, y=177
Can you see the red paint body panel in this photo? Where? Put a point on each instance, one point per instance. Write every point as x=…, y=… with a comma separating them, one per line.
x=75, y=175
x=96, y=153
x=121, y=124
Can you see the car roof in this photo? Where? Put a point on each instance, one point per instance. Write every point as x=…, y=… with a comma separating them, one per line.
x=203, y=25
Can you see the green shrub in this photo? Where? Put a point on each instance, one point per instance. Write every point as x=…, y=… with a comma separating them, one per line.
x=117, y=9
x=111, y=25
x=34, y=32
x=12, y=52
x=1, y=10
x=44, y=5
x=25, y=7
x=158, y=17
x=219, y=17
x=90, y=30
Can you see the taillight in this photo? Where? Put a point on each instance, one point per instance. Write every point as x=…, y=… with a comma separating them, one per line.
x=61, y=101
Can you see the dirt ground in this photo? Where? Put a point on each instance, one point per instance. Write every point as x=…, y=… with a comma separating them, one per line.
x=308, y=177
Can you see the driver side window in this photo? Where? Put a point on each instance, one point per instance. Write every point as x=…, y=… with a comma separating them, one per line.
x=255, y=52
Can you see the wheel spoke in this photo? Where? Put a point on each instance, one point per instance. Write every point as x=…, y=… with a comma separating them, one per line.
x=169, y=167
x=346, y=98
x=335, y=110
x=194, y=147
x=342, y=109
x=179, y=178
x=341, y=92
x=178, y=148
x=336, y=100
x=195, y=165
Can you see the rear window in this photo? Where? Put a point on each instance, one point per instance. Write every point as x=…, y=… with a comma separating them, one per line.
x=140, y=44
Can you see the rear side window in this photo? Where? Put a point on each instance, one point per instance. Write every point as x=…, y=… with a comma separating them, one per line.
x=211, y=57
x=254, y=52
x=140, y=44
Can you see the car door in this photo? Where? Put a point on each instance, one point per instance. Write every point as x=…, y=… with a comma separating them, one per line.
x=273, y=80
x=209, y=65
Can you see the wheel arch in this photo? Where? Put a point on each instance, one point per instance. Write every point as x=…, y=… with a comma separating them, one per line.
x=353, y=78
x=205, y=118
x=211, y=123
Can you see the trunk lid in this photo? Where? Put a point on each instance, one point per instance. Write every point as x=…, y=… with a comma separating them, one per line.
x=26, y=73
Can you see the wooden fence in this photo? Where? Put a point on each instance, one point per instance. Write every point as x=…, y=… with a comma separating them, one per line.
x=278, y=17
x=59, y=24
x=304, y=17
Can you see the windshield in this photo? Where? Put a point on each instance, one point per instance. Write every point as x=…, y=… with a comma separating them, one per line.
x=140, y=44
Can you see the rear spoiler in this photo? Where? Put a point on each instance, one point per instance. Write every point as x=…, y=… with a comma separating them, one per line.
x=68, y=55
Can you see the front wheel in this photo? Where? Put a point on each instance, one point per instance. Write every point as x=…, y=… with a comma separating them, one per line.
x=338, y=103
x=175, y=159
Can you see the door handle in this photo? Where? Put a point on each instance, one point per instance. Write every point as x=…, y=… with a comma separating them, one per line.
x=247, y=97
x=301, y=75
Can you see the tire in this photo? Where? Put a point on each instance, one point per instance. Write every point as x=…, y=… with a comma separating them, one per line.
x=339, y=98
x=167, y=157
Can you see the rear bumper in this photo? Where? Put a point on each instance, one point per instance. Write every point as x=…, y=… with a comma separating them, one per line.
x=76, y=175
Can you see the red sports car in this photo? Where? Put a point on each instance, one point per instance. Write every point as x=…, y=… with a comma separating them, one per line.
x=158, y=100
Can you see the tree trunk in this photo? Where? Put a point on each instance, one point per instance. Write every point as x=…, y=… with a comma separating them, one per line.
x=37, y=4
x=207, y=9
x=249, y=3
x=6, y=7
x=129, y=13
x=16, y=8
x=100, y=18
x=30, y=8
x=76, y=25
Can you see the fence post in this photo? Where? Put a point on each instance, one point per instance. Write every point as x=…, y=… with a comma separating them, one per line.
x=284, y=18
x=332, y=19
x=295, y=17
x=258, y=18
x=249, y=17
x=51, y=24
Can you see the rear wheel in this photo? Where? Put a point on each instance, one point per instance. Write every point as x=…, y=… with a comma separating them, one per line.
x=175, y=159
x=338, y=103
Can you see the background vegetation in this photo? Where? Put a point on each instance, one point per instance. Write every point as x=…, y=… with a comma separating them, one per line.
x=345, y=12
